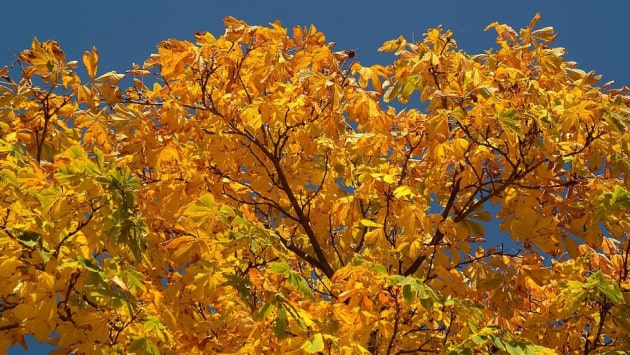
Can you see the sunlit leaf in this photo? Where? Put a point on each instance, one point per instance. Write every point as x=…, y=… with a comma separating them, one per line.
x=90, y=60
x=314, y=345
x=251, y=192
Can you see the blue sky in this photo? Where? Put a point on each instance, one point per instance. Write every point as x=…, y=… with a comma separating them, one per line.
x=595, y=34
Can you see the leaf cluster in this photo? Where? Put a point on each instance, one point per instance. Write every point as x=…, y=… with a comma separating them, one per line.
x=263, y=192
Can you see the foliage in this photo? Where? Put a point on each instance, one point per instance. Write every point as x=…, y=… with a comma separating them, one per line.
x=256, y=193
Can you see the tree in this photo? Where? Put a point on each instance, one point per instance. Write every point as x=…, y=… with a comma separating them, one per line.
x=261, y=192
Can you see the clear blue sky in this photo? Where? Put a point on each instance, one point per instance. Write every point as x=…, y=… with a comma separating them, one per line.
x=596, y=34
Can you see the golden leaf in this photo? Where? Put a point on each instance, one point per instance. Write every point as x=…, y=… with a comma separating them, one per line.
x=90, y=60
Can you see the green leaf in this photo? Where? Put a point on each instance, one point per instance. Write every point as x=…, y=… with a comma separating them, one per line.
x=262, y=313
x=465, y=351
x=413, y=82
x=225, y=213
x=481, y=215
x=300, y=283
x=611, y=201
x=378, y=268
x=479, y=339
x=202, y=211
x=621, y=196
x=99, y=159
x=279, y=267
x=570, y=298
x=89, y=266
x=408, y=295
x=76, y=153
x=143, y=346
x=316, y=344
x=509, y=120
x=29, y=239
x=486, y=91
x=281, y=323
x=403, y=89
x=620, y=119
x=241, y=283
x=152, y=325
x=207, y=200
x=135, y=281
x=45, y=254
x=609, y=288
x=391, y=93
x=397, y=280
x=9, y=176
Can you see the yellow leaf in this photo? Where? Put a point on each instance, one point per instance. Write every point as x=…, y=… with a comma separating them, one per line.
x=90, y=60
x=390, y=179
x=403, y=191
x=252, y=117
x=314, y=345
x=368, y=223
x=87, y=95
x=523, y=227
x=571, y=246
x=168, y=156
x=24, y=311
x=8, y=267
x=393, y=44
x=110, y=93
x=340, y=211
x=111, y=77
x=372, y=236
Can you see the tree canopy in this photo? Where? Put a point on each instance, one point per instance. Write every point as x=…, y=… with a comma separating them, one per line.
x=264, y=192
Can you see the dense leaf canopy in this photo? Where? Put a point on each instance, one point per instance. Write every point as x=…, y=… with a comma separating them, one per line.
x=264, y=192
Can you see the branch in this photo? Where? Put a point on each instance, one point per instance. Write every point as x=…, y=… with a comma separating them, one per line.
x=333, y=242
x=299, y=252
x=75, y=231
x=420, y=349
x=363, y=229
x=9, y=326
x=591, y=346
x=439, y=235
x=303, y=220
x=487, y=254
x=390, y=345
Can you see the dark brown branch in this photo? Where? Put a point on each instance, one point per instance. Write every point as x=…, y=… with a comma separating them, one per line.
x=275, y=158
x=363, y=229
x=591, y=346
x=489, y=253
x=408, y=155
x=392, y=340
x=321, y=257
x=334, y=242
x=439, y=235
x=9, y=326
x=448, y=329
x=81, y=225
x=299, y=252
x=267, y=201
x=623, y=275
x=321, y=184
